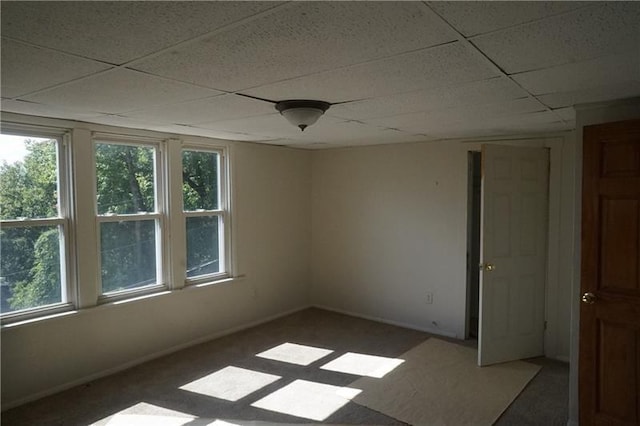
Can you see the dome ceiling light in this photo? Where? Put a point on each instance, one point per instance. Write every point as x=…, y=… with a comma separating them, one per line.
x=302, y=113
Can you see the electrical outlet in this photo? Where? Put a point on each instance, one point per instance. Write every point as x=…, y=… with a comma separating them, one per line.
x=429, y=298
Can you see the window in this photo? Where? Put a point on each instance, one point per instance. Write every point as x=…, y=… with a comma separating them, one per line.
x=204, y=210
x=88, y=218
x=129, y=215
x=34, y=224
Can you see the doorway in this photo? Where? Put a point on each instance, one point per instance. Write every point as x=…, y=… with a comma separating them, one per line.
x=473, y=242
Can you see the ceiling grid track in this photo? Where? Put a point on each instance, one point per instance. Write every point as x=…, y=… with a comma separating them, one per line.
x=127, y=65
x=393, y=72
x=473, y=48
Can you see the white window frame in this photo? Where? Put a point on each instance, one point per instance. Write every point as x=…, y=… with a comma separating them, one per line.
x=158, y=216
x=222, y=213
x=67, y=281
x=79, y=222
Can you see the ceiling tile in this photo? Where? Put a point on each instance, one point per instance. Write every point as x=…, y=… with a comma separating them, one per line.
x=120, y=121
x=584, y=34
x=596, y=94
x=583, y=75
x=119, y=91
x=117, y=32
x=461, y=133
x=473, y=17
x=327, y=129
x=216, y=134
x=209, y=110
x=531, y=128
x=304, y=145
x=351, y=132
x=500, y=132
x=385, y=139
x=435, y=67
x=114, y=120
x=477, y=92
x=306, y=38
x=26, y=69
x=527, y=120
x=568, y=114
x=536, y=122
x=273, y=126
x=426, y=122
x=41, y=110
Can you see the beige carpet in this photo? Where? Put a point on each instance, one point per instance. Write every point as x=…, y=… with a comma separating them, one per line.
x=440, y=384
x=149, y=420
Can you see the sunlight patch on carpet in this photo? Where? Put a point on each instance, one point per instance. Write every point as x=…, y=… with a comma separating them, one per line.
x=157, y=420
x=294, y=353
x=309, y=400
x=142, y=409
x=148, y=420
x=230, y=383
x=363, y=365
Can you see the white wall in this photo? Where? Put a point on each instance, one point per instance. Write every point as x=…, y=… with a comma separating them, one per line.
x=587, y=115
x=389, y=224
x=271, y=241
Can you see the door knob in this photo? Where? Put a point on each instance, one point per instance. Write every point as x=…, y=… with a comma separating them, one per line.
x=487, y=267
x=589, y=298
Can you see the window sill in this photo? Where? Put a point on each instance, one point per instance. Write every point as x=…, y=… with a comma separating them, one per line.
x=212, y=282
x=135, y=294
x=108, y=303
x=32, y=320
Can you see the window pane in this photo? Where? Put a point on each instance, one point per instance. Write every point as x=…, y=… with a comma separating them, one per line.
x=29, y=267
x=202, y=246
x=128, y=254
x=28, y=177
x=125, y=179
x=200, y=180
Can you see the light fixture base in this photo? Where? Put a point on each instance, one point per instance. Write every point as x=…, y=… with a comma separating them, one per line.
x=302, y=113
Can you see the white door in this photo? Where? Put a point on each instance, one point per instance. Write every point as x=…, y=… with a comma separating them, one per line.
x=513, y=253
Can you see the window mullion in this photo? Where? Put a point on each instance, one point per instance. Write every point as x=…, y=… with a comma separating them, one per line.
x=86, y=233
x=176, y=238
x=68, y=254
x=160, y=208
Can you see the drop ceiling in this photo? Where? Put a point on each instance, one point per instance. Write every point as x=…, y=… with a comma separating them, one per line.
x=397, y=71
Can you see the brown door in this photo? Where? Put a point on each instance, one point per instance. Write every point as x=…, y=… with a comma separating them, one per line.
x=610, y=309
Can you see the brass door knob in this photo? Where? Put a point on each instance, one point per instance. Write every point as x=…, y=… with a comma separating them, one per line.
x=487, y=267
x=589, y=298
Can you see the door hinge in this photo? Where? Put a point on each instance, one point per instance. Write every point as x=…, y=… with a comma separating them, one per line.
x=545, y=325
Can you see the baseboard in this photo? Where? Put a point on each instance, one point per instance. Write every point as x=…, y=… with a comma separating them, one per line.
x=390, y=322
x=146, y=358
x=572, y=423
x=562, y=358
